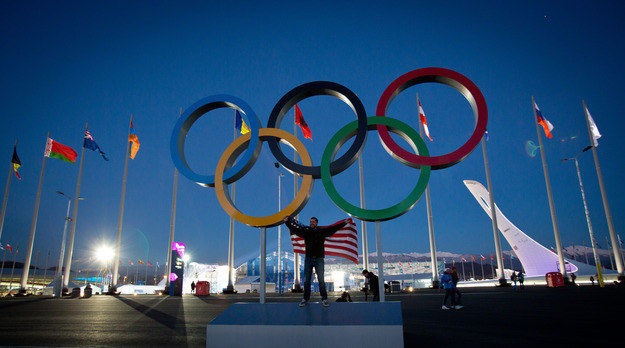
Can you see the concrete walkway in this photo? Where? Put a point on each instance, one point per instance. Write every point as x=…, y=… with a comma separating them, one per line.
x=502, y=316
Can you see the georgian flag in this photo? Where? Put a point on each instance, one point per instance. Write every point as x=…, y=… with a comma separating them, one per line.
x=423, y=121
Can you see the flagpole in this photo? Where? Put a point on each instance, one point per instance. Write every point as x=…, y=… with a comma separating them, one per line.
x=263, y=261
x=280, y=175
x=121, y=218
x=482, y=264
x=6, y=195
x=473, y=267
x=45, y=269
x=554, y=220
x=172, y=224
x=147, y=259
x=493, y=215
x=363, y=223
x=33, y=227
x=463, y=276
x=592, y=236
x=70, y=241
x=13, y=268
x=230, y=287
x=606, y=206
x=433, y=260
x=378, y=246
x=32, y=284
x=4, y=254
x=297, y=287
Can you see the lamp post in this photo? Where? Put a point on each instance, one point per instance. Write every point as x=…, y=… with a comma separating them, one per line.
x=592, y=238
x=59, y=271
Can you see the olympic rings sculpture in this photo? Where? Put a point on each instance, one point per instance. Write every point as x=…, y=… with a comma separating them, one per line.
x=248, y=146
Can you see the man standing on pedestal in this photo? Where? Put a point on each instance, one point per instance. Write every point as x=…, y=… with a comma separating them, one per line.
x=314, y=238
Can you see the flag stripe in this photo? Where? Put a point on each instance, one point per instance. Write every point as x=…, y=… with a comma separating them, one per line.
x=344, y=243
x=547, y=126
x=60, y=151
x=423, y=120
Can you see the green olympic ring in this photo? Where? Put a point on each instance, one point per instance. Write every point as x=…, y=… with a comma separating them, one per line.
x=398, y=127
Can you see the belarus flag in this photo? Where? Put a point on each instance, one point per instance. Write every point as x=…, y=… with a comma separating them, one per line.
x=547, y=126
x=60, y=151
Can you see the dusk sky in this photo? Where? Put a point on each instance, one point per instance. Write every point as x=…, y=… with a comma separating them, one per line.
x=65, y=64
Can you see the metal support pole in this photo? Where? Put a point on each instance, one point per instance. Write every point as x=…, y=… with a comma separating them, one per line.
x=592, y=237
x=72, y=230
x=263, y=263
x=363, y=223
x=378, y=241
x=606, y=206
x=118, y=242
x=493, y=215
x=33, y=227
x=433, y=258
x=552, y=208
x=280, y=175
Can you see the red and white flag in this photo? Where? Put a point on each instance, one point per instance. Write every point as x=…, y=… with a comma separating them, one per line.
x=423, y=121
x=344, y=243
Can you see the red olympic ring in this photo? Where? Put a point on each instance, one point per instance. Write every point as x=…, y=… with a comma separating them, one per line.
x=447, y=77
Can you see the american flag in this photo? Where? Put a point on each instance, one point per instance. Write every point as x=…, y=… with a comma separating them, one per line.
x=344, y=243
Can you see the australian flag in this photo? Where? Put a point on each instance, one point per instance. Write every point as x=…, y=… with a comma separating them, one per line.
x=89, y=143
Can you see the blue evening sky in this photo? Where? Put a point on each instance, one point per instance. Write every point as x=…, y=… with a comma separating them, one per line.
x=65, y=64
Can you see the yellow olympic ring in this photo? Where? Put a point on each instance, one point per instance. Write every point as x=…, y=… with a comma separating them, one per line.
x=229, y=157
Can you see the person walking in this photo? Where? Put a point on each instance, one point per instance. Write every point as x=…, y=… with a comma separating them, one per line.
x=374, y=285
x=455, y=277
x=193, y=287
x=514, y=279
x=314, y=239
x=447, y=283
x=521, y=277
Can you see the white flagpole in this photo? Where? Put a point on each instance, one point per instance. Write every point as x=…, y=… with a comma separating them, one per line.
x=363, y=223
x=433, y=260
x=263, y=263
x=493, y=214
x=378, y=239
x=119, y=221
x=6, y=194
x=33, y=227
x=280, y=175
x=230, y=287
x=297, y=287
x=590, y=231
x=554, y=220
x=172, y=224
x=606, y=206
x=70, y=241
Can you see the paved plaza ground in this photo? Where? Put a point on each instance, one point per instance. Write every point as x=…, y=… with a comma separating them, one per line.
x=491, y=316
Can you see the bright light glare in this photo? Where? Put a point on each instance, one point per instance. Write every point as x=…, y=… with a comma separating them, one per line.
x=104, y=253
x=186, y=258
